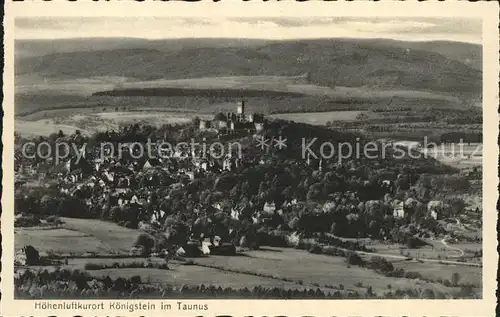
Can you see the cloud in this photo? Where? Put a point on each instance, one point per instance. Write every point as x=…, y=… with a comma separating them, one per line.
x=458, y=29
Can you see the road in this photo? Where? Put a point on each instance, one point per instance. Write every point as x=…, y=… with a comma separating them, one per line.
x=402, y=257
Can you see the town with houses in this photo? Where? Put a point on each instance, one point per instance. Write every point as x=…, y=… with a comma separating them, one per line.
x=128, y=182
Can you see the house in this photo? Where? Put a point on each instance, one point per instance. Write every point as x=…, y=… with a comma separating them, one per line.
x=216, y=240
x=434, y=207
x=157, y=216
x=434, y=214
x=399, y=211
x=259, y=127
x=216, y=207
x=191, y=175
x=109, y=176
x=269, y=208
x=136, y=251
x=123, y=182
x=136, y=200
x=205, y=247
x=27, y=256
x=20, y=258
x=203, y=125
x=293, y=239
x=235, y=214
x=180, y=252
x=151, y=163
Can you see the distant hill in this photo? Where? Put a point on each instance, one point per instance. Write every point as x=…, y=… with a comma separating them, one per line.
x=385, y=64
x=34, y=48
x=467, y=53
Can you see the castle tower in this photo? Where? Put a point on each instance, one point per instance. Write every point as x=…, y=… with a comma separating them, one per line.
x=241, y=108
x=203, y=125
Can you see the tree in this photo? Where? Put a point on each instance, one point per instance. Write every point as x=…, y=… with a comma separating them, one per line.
x=425, y=181
x=369, y=291
x=314, y=191
x=293, y=224
x=32, y=255
x=115, y=213
x=455, y=278
x=48, y=205
x=105, y=213
x=220, y=117
x=146, y=241
x=428, y=294
x=467, y=291
x=352, y=258
x=333, y=228
x=196, y=121
x=457, y=205
x=235, y=192
x=403, y=183
x=70, y=206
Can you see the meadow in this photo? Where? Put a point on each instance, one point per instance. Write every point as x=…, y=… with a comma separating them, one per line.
x=89, y=121
x=318, y=118
x=281, y=267
x=78, y=236
x=468, y=275
x=59, y=240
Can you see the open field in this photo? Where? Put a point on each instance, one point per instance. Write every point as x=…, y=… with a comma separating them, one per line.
x=46, y=127
x=318, y=118
x=234, y=82
x=59, y=240
x=195, y=275
x=165, y=117
x=280, y=267
x=78, y=236
x=300, y=265
x=118, y=238
x=89, y=122
x=86, y=86
x=33, y=83
x=291, y=84
x=468, y=275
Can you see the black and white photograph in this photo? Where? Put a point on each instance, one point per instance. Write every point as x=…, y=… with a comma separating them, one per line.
x=300, y=157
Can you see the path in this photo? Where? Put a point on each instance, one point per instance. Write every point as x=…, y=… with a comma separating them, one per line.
x=402, y=257
x=462, y=253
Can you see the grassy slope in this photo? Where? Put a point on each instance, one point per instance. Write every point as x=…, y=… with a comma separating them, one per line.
x=79, y=235
x=312, y=269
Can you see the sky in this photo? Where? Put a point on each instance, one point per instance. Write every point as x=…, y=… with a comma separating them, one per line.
x=408, y=29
